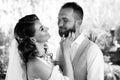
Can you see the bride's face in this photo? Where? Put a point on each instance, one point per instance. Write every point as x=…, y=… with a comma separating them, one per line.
x=41, y=32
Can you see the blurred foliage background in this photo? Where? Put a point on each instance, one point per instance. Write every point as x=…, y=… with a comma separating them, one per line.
x=100, y=17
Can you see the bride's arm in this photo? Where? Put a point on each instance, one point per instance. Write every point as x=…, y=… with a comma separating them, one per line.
x=67, y=67
x=66, y=51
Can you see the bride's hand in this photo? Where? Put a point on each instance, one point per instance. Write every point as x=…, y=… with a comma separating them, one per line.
x=65, y=43
x=66, y=51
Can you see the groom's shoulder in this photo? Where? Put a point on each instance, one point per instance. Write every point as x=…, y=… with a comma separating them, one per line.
x=94, y=46
x=93, y=50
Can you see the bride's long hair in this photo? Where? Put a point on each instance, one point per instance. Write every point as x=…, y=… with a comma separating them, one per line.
x=22, y=48
x=24, y=29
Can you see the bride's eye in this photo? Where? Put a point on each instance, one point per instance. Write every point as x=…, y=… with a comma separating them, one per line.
x=41, y=28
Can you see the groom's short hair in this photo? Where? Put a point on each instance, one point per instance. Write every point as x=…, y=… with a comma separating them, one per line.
x=76, y=8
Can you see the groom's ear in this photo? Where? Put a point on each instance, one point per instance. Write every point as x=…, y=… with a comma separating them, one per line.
x=78, y=23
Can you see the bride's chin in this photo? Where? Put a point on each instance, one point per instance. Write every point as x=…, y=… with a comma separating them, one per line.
x=48, y=37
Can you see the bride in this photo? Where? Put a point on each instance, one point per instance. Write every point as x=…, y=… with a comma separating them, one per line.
x=29, y=58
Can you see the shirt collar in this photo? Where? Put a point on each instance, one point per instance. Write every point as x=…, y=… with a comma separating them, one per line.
x=79, y=39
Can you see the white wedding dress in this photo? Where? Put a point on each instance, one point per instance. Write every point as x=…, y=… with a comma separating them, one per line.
x=16, y=70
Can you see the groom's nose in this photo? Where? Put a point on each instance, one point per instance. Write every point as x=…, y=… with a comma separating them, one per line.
x=60, y=23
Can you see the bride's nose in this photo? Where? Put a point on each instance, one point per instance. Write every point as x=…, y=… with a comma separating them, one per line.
x=46, y=28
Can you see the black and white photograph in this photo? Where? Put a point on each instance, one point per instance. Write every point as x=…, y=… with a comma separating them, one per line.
x=59, y=39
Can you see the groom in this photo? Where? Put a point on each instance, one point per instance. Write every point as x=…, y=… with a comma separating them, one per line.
x=86, y=57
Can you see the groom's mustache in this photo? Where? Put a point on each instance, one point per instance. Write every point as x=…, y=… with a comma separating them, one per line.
x=65, y=32
x=62, y=29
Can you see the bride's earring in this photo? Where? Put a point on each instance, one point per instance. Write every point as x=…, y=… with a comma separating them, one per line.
x=33, y=40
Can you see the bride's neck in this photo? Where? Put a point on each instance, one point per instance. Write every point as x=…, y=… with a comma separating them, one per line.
x=40, y=47
x=38, y=44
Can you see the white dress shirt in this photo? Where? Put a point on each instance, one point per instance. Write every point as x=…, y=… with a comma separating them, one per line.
x=95, y=62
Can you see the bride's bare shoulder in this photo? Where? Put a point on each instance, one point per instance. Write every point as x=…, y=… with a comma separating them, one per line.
x=35, y=62
x=39, y=68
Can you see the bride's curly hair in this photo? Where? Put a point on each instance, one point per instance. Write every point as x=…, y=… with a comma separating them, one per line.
x=23, y=31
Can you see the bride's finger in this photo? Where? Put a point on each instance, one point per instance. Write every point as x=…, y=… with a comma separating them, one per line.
x=63, y=38
x=73, y=36
x=69, y=36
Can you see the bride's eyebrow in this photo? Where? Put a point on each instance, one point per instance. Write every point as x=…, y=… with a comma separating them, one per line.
x=41, y=27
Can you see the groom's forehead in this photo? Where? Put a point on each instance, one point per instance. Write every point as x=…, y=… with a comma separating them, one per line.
x=65, y=12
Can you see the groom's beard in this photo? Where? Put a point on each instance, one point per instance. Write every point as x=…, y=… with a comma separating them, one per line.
x=65, y=32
